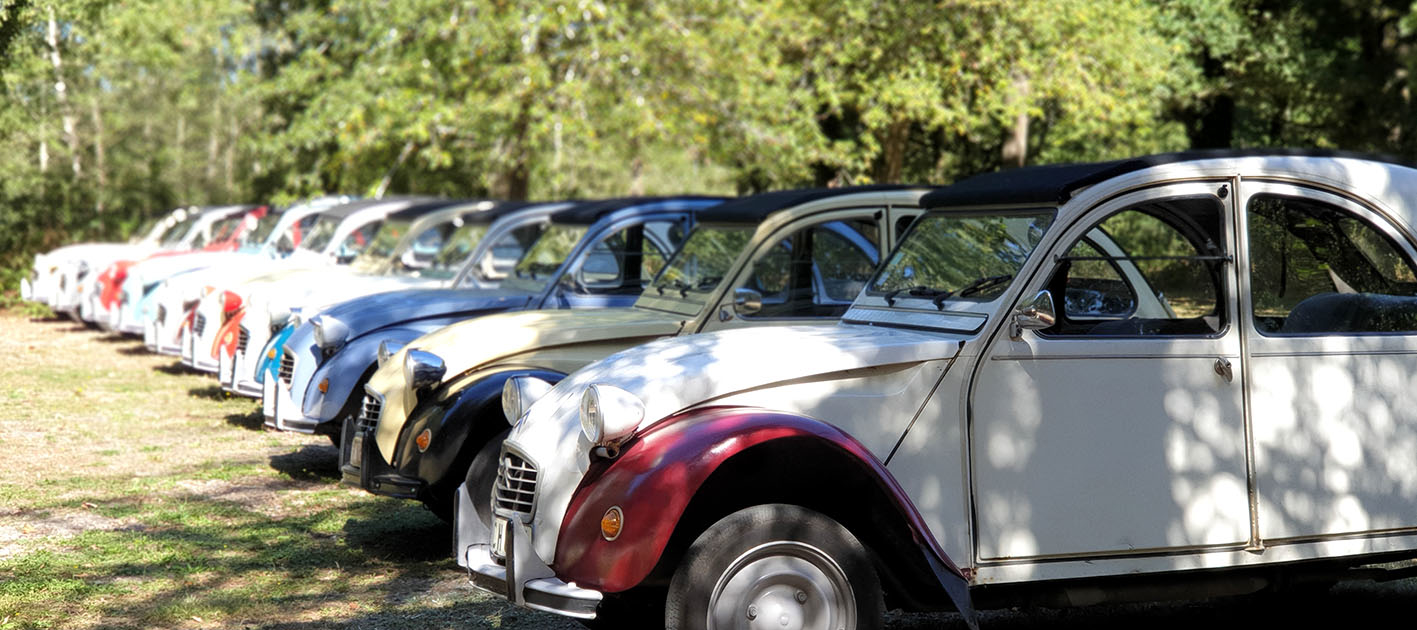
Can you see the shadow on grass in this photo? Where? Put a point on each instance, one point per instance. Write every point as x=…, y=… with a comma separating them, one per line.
x=176, y=368
x=311, y=463
x=135, y=350
x=79, y=327
x=253, y=421
x=117, y=337
x=210, y=392
x=407, y=532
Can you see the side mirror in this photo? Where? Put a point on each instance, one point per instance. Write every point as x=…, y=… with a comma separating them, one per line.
x=1035, y=314
x=747, y=301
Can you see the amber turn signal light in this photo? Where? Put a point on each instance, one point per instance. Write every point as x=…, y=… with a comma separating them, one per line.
x=612, y=523
x=324, y=385
x=423, y=440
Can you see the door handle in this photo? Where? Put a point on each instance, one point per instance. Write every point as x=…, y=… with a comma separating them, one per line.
x=1222, y=367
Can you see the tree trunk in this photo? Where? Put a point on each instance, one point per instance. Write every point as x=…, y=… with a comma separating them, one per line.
x=393, y=168
x=71, y=134
x=100, y=168
x=231, y=157
x=893, y=146
x=213, y=143
x=1015, y=151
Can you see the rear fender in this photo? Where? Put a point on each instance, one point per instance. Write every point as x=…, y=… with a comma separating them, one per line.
x=681, y=475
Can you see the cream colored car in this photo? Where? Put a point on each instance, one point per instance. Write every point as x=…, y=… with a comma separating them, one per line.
x=788, y=257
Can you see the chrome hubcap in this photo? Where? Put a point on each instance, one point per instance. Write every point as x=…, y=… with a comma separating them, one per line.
x=783, y=586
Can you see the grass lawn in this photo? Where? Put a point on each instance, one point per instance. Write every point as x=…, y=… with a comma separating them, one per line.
x=135, y=494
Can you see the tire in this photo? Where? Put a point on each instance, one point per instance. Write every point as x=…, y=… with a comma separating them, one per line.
x=772, y=566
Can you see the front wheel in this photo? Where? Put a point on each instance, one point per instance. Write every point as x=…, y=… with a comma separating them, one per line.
x=775, y=566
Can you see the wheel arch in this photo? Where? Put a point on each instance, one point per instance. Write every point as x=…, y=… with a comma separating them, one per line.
x=681, y=476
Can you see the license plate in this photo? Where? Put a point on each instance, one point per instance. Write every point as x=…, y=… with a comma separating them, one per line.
x=356, y=450
x=226, y=368
x=499, y=536
x=268, y=396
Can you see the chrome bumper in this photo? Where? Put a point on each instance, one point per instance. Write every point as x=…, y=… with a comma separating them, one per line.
x=524, y=579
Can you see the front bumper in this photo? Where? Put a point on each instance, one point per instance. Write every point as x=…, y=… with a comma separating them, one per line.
x=229, y=373
x=522, y=578
x=284, y=414
x=193, y=358
x=361, y=464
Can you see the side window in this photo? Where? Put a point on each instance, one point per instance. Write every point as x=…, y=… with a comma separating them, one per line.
x=1096, y=289
x=502, y=256
x=1151, y=269
x=1315, y=268
x=630, y=258
x=817, y=271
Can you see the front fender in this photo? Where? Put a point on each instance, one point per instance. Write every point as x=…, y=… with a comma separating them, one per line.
x=659, y=473
x=347, y=370
x=458, y=422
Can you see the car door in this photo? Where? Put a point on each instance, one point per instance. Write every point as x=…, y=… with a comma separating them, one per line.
x=1332, y=320
x=1119, y=429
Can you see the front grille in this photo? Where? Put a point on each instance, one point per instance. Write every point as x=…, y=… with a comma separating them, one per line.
x=516, y=484
x=287, y=366
x=369, y=413
x=243, y=337
x=199, y=325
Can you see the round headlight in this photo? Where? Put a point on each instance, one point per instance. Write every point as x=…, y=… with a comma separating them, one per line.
x=387, y=348
x=278, y=316
x=609, y=415
x=422, y=370
x=330, y=333
x=519, y=393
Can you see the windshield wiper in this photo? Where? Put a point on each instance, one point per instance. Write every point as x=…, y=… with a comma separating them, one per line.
x=984, y=283
x=918, y=290
x=676, y=284
x=938, y=296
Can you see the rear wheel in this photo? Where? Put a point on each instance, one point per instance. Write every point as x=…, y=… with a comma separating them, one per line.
x=775, y=566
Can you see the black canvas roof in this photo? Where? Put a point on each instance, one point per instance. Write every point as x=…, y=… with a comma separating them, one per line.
x=590, y=211
x=755, y=208
x=345, y=209
x=1056, y=183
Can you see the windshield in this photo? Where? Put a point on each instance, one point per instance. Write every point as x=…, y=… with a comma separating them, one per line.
x=457, y=246
x=264, y=227
x=701, y=263
x=173, y=236
x=381, y=246
x=319, y=234
x=544, y=257
x=955, y=256
x=225, y=228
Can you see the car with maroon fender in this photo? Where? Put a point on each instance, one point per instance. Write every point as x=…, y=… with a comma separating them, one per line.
x=1175, y=376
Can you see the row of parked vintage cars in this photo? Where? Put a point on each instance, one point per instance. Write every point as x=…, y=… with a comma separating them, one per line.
x=1172, y=376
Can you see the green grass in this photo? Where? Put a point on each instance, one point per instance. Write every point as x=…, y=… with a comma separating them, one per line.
x=135, y=495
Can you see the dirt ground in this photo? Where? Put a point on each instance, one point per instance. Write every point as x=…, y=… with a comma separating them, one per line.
x=134, y=494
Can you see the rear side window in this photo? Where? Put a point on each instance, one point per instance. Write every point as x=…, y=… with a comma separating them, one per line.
x=1317, y=268
x=818, y=270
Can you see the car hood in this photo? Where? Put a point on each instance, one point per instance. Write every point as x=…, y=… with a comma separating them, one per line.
x=157, y=269
x=670, y=375
x=367, y=313
x=478, y=342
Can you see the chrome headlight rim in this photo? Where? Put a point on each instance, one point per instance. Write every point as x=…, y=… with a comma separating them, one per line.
x=609, y=415
x=519, y=393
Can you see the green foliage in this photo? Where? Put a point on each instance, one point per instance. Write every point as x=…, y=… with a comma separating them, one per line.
x=209, y=101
